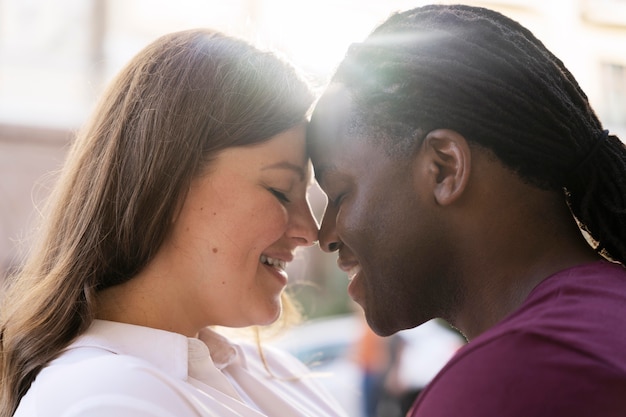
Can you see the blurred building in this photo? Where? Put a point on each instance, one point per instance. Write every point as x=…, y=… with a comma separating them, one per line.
x=56, y=56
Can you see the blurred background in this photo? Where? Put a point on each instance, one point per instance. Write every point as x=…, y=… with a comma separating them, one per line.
x=56, y=57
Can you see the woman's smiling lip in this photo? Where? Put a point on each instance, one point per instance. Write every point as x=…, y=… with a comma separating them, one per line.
x=277, y=265
x=272, y=261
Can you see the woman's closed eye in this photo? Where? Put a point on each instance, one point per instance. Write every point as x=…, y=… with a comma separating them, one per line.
x=281, y=196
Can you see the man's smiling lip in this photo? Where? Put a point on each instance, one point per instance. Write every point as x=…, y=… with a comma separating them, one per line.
x=352, y=268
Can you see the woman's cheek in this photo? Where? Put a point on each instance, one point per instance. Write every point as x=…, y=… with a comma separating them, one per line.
x=275, y=220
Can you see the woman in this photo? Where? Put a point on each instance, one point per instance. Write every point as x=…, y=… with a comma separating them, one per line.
x=178, y=208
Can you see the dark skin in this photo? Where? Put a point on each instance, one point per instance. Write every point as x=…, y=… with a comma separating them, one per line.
x=510, y=235
x=470, y=241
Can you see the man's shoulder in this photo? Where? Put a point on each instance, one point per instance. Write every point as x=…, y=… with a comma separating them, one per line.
x=523, y=373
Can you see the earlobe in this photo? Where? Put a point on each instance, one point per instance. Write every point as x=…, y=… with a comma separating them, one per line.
x=449, y=160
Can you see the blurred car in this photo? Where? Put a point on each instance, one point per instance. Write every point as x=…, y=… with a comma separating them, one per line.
x=327, y=347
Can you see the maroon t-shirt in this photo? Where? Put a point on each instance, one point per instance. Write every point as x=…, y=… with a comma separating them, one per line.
x=562, y=353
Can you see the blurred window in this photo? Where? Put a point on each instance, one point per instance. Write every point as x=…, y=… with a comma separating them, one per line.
x=614, y=93
x=606, y=12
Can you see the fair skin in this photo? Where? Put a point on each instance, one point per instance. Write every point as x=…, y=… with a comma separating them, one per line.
x=223, y=262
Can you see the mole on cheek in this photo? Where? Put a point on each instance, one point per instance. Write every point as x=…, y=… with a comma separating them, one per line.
x=214, y=250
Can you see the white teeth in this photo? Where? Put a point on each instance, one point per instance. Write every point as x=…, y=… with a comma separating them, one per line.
x=274, y=262
x=353, y=272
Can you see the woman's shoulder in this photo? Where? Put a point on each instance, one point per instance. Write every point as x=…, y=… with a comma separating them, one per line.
x=89, y=379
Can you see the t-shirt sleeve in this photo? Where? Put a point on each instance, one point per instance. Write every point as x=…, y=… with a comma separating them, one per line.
x=521, y=375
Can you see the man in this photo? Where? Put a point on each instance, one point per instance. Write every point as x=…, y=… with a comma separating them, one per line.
x=461, y=161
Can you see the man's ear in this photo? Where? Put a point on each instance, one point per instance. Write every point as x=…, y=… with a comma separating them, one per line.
x=446, y=158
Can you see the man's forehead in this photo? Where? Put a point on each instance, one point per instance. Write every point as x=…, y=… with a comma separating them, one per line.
x=331, y=114
x=337, y=96
x=330, y=131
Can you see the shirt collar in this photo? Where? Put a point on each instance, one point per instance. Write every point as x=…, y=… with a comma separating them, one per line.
x=170, y=352
x=223, y=352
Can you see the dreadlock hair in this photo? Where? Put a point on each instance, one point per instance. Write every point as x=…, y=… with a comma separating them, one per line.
x=477, y=72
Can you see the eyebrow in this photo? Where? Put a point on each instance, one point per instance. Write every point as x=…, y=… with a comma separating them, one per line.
x=323, y=170
x=286, y=165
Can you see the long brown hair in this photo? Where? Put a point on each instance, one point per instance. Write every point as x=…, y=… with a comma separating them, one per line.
x=182, y=99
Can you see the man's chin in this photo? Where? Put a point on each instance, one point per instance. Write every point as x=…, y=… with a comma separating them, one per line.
x=381, y=326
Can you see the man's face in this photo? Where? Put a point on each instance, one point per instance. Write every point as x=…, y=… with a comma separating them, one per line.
x=380, y=219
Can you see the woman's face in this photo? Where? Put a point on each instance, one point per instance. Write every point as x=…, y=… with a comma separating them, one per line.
x=238, y=227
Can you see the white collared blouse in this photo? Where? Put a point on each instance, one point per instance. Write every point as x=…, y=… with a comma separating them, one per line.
x=117, y=369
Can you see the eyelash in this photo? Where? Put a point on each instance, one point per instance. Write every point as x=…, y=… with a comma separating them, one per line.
x=336, y=201
x=280, y=195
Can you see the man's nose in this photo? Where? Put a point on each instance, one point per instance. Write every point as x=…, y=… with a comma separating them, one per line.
x=328, y=238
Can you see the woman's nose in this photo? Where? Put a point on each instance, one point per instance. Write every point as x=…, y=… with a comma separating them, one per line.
x=303, y=226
